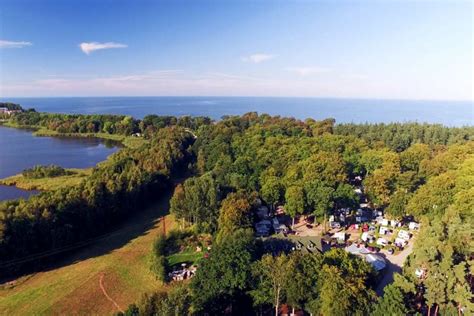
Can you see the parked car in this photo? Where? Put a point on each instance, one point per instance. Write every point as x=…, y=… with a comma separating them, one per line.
x=391, y=251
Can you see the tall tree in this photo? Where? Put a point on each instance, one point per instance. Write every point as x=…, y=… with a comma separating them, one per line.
x=223, y=279
x=271, y=275
x=295, y=201
x=235, y=213
x=392, y=303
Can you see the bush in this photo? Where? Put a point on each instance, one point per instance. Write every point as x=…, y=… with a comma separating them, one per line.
x=159, y=266
x=38, y=172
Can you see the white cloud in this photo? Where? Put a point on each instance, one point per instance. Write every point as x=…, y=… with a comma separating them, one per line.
x=257, y=58
x=306, y=71
x=88, y=48
x=12, y=44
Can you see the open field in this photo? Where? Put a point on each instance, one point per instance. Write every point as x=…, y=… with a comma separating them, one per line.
x=101, y=279
x=47, y=183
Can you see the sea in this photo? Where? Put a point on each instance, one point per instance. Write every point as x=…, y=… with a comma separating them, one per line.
x=449, y=113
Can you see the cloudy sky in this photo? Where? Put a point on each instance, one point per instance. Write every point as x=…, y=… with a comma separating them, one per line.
x=348, y=49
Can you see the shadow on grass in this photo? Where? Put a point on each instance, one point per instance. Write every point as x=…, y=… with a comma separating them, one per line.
x=132, y=227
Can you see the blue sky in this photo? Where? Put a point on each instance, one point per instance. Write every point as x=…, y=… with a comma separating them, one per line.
x=348, y=49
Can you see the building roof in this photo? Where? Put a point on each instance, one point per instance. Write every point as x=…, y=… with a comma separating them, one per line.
x=353, y=249
x=376, y=261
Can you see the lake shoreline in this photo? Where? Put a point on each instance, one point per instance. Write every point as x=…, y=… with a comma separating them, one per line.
x=47, y=183
x=28, y=146
x=118, y=140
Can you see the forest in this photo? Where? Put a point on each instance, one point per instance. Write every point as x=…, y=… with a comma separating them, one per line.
x=422, y=170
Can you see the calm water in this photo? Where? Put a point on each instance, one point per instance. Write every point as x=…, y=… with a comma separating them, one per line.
x=449, y=113
x=19, y=150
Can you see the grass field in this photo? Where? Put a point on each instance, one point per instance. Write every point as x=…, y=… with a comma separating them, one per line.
x=47, y=183
x=119, y=262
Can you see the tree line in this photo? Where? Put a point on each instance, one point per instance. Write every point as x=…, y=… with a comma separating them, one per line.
x=102, y=123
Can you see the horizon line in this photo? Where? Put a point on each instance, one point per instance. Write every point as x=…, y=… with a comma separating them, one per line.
x=234, y=96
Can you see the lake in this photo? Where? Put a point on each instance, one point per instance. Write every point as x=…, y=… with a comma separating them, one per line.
x=19, y=150
x=450, y=113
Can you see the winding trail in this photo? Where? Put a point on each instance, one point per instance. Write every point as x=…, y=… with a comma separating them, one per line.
x=101, y=284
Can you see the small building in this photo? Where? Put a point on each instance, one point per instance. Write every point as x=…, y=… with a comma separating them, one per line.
x=413, y=226
x=357, y=249
x=262, y=228
x=365, y=236
x=262, y=212
x=394, y=223
x=341, y=236
x=400, y=242
x=280, y=228
x=404, y=234
x=376, y=261
x=383, y=230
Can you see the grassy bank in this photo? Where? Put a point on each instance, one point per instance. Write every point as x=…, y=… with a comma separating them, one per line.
x=47, y=184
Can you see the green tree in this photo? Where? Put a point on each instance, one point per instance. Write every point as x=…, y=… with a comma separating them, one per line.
x=392, y=303
x=223, y=279
x=319, y=197
x=235, y=213
x=271, y=275
x=295, y=201
x=271, y=190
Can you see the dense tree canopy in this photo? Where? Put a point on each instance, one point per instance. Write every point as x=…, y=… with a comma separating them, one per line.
x=308, y=167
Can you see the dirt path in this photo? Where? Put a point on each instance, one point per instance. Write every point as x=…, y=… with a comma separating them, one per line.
x=101, y=284
x=394, y=265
